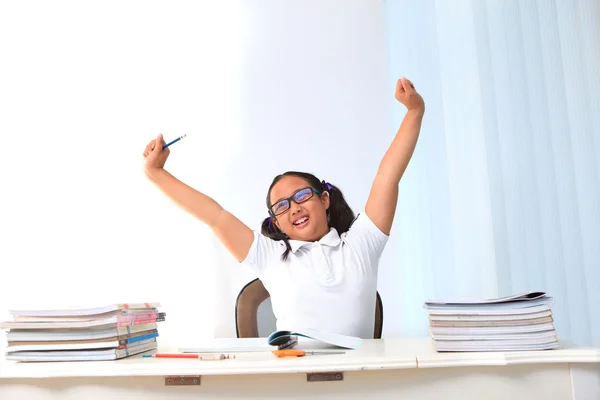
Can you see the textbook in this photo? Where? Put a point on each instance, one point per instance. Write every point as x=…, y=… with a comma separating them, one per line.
x=511, y=300
x=120, y=308
x=116, y=342
x=81, y=355
x=117, y=321
x=522, y=321
x=18, y=335
x=82, y=334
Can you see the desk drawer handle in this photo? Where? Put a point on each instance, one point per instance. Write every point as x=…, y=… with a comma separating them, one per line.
x=324, y=376
x=182, y=380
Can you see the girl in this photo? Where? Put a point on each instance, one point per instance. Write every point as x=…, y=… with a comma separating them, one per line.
x=318, y=262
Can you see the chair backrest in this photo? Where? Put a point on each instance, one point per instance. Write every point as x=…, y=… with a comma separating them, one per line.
x=254, y=316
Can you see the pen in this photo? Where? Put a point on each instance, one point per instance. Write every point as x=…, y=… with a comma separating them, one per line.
x=173, y=141
x=203, y=356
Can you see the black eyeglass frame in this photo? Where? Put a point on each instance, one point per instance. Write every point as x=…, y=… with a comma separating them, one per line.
x=289, y=200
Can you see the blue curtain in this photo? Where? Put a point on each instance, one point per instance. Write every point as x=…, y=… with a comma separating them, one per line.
x=503, y=192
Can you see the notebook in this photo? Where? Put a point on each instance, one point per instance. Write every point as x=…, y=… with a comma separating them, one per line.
x=118, y=308
x=81, y=355
x=82, y=334
x=513, y=323
x=228, y=345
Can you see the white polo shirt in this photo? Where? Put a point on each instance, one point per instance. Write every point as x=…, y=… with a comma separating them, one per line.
x=329, y=285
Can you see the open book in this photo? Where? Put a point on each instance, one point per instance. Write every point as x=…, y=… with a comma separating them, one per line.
x=287, y=339
x=282, y=339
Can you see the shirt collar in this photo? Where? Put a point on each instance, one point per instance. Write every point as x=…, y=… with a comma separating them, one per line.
x=331, y=239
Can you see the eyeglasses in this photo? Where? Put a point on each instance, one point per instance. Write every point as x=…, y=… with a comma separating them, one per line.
x=299, y=196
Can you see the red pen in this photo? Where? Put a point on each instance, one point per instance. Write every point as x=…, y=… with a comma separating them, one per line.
x=202, y=356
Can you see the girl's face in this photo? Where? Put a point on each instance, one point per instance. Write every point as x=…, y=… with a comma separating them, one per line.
x=306, y=221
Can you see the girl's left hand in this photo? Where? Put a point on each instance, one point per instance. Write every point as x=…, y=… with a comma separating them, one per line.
x=408, y=95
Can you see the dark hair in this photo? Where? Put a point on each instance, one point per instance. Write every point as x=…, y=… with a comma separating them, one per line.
x=339, y=214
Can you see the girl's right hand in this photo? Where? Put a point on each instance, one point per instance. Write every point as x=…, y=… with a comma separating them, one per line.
x=155, y=156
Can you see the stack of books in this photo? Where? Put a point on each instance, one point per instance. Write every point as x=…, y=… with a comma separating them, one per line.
x=82, y=334
x=519, y=322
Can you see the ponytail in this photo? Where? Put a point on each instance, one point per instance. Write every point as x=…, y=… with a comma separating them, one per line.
x=270, y=230
x=339, y=214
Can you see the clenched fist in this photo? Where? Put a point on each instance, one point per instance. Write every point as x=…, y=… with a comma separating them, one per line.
x=408, y=95
x=155, y=156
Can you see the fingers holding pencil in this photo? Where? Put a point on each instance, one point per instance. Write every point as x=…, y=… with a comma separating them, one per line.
x=157, y=152
x=159, y=141
x=151, y=145
x=149, y=148
x=155, y=155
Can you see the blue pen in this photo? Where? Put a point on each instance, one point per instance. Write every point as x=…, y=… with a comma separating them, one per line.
x=173, y=141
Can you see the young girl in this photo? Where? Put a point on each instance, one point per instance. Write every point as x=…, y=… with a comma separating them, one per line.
x=318, y=262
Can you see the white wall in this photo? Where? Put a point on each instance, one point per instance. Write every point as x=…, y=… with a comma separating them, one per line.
x=259, y=88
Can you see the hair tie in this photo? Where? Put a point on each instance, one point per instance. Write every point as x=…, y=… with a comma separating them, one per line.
x=326, y=185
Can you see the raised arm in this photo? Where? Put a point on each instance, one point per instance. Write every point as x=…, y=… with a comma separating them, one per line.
x=234, y=234
x=381, y=205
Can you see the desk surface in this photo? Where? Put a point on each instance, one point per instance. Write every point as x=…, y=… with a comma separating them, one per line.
x=382, y=354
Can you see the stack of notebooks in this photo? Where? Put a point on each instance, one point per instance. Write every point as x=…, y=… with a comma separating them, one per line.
x=82, y=334
x=519, y=322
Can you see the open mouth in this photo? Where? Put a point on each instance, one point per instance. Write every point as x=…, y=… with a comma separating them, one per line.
x=301, y=222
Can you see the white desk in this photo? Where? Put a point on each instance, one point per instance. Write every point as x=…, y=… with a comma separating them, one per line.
x=380, y=369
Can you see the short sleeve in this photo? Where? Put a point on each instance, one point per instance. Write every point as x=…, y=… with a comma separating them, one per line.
x=262, y=252
x=366, y=239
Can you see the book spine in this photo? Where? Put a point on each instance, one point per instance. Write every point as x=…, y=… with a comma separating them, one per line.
x=136, y=305
x=135, y=344
x=140, y=316
x=139, y=321
x=121, y=353
x=137, y=338
x=129, y=329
